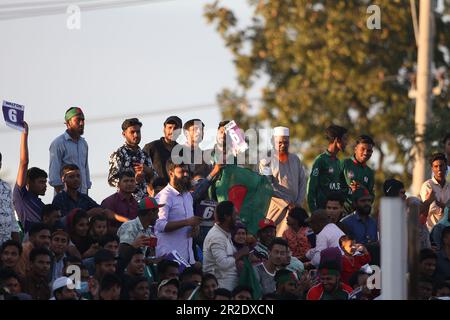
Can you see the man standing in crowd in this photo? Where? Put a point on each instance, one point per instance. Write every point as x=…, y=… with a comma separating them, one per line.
x=219, y=253
x=36, y=282
x=176, y=223
x=355, y=171
x=160, y=150
x=70, y=148
x=9, y=229
x=130, y=157
x=288, y=179
x=436, y=189
x=325, y=174
x=30, y=184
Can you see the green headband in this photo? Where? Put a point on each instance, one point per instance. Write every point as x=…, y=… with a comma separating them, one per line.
x=72, y=112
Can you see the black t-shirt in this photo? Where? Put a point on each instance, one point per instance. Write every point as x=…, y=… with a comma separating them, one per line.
x=160, y=151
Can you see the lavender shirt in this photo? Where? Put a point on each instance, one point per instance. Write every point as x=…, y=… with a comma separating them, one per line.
x=177, y=207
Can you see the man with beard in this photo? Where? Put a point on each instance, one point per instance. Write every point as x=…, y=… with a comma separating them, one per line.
x=219, y=253
x=130, y=157
x=360, y=226
x=70, y=148
x=176, y=223
x=288, y=178
x=330, y=286
x=355, y=171
x=160, y=150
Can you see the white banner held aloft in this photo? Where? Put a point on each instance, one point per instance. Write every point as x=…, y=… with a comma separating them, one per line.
x=13, y=114
x=237, y=137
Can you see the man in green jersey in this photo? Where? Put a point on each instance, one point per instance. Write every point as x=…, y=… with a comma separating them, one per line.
x=356, y=172
x=326, y=169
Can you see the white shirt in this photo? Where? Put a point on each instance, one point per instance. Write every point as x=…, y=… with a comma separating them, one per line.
x=442, y=194
x=327, y=238
x=218, y=259
x=8, y=222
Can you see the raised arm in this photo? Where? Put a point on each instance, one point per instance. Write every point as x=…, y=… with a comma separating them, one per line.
x=24, y=159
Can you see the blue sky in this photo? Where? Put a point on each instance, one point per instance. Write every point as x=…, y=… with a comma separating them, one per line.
x=124, y=61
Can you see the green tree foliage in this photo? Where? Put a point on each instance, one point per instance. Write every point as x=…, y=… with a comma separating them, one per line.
x=324, y=65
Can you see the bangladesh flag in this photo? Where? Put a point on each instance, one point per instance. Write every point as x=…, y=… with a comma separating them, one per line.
x=249, y=191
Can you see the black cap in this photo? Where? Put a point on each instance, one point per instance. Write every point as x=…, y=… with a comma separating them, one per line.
x=131, y=122
x=174, y=120
x=103, y=255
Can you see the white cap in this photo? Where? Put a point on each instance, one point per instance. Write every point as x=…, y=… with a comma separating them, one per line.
x=61, y=282
x=281, y=132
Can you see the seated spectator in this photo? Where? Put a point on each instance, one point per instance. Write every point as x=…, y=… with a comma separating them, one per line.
x=36, y=282
x=39, y=237
x=355, y=256
x=427, y=263
x=110, y=287
x=168, y=269
x=138, y=288
x=51, y=216
x=441, y=289
x=425, y=288
x=122, y=202
x=191, y=275
x=265, y=235
x=358, y=281
x=330, y=286
x=97, y=227
x=222, y=294
x=293, y=264
x=59, y=244
x=10, y=253
x=78, y=226
x=10, y=280
x=208, y=287
x=70, y=198
x=296, y=232
x=287, y=284
x=443, y=261
x=241, y=293
x=239, y=239
x=109, y=242
x=265, y=272
x=63, y=289
x=105, y=262
x=186, y=290
x=168, y=289
x=328, y=235
x=335, y=207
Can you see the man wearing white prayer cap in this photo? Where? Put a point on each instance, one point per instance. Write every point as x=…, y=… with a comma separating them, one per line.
x=288, y=179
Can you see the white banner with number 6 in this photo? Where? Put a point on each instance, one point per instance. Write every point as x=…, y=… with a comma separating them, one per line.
x=13, y=114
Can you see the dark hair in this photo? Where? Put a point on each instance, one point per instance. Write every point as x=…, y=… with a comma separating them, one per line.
x=126, y=173
x=354, y=277
x=8, y=273
x=72, y=260
x=300, y=215
x=279, y=241
x=241, y=288
x=130, y=123
x=189, y=271
x=38, y=227
x=191, y=122
x=158, y=182
x=364, y=139
x=68, y=167
x=107, y=238
x=36, y=173
x=392, y=187
x=427, y=254
x=39, y=252
x=438, y=156
x=440, y=285
x=344, y=238
x=223, y=124
x=134, y=281
x=334, y=132
x=185, y=287
x=78, y=215
x=47, y=209
x=281, y=273
x=170, y=165
x=336, y=196
x=98, y=217
x=0, y=156
x=11, y=243
x=164, y=265
x=110, y=280
x=444, y=140
x=224, y=292
x=208, y=276
x=224, y=208
x=445, y=231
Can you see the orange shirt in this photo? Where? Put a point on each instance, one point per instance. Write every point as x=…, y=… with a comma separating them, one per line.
x=298, y=242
